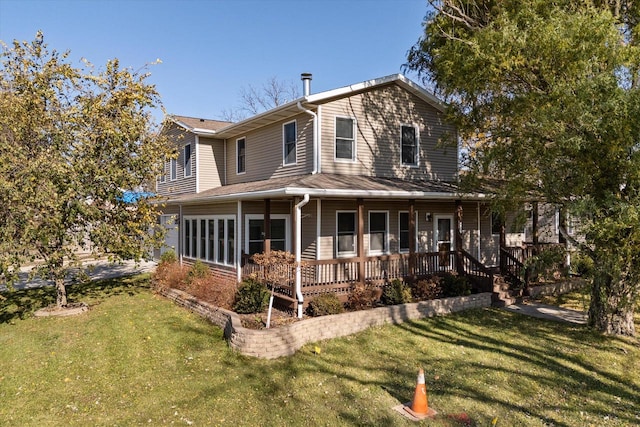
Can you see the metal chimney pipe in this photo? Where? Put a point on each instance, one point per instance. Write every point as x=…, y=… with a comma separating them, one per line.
x=306, y=83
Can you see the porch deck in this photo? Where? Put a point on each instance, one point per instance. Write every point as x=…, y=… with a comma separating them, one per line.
x=339, y=276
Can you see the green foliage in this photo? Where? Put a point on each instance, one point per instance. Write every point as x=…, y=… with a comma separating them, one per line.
x=251, y=297
x=427, y=289
x=168, y=257
x=325, y=304
x=199, y=270
x=455, y=286
x=71, y=140
x=546, y=97
x=547, y=264
x=582, y=265
x=396, y=292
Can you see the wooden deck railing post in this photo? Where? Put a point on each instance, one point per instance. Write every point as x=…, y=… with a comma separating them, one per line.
x=458, y=237
x=412, y=240
x=360, y=243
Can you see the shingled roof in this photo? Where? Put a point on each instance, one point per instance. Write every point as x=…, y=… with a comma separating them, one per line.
x=328, y=185
x=198, y=124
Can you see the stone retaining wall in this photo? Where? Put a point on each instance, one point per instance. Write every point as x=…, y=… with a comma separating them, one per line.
x=286, y=340
x=556, y=288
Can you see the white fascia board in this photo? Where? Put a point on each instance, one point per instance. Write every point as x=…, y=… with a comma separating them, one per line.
x=375, y=194
x=197, y=131
x=244, y=122
x=203, y=132
x=318, y=192
x=399, y=78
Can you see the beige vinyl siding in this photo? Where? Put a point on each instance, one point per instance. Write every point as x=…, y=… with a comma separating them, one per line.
x=210, y=170
x=425, y=232
x=470, y=228
x=181, y=185
x=547, y=223
x=379, y=115
x=211, y=209
x=489, y=243
x=264, y=152
x=309, y=229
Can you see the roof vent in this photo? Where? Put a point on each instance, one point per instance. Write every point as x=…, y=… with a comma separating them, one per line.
x=306, y=83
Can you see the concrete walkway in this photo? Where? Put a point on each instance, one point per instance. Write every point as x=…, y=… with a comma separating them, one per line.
x=96, y=270
x=549, y=312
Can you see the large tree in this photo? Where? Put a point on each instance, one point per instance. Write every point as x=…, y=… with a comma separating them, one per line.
x=72, y=141
x=546, y=96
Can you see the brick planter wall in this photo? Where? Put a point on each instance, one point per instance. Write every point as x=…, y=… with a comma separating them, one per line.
x=286, y=340
x=556, y=288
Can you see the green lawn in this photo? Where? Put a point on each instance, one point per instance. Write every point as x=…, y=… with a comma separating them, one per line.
x=135, y=358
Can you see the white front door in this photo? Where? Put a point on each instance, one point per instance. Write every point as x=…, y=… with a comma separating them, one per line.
x=443, y=238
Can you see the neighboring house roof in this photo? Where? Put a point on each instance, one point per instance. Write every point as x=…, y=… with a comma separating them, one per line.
x=328, y=185
x=226, y=129
x=197, y=125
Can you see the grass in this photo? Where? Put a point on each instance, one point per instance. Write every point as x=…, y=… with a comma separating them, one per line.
x=136, y=359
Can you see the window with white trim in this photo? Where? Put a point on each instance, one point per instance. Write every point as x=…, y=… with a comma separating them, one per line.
x=163, y=176
x=345, y=147
x=409, y=145
x=280, y=240
x=289, y=143
x=241, y=155
x=346, y=233
x=378, y=232
x=403, y=230
x=173, y=169
x=210, y=238
x=187, y=160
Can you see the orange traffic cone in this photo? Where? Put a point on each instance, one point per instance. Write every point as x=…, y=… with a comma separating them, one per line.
x=420, y=404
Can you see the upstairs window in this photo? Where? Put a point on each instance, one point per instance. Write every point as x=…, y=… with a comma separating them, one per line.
x=409, y=145
x=345, y=139
x=289, y=143
x=240, y=155
x=187, y=160
x=173, y=169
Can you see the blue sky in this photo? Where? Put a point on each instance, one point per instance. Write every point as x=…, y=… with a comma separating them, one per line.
x=211, y=49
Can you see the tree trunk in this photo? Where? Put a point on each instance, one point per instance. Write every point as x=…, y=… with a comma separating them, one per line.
x=61, y=293
x=611, y=309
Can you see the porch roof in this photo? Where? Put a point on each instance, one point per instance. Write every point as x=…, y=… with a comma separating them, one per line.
x=329, y=186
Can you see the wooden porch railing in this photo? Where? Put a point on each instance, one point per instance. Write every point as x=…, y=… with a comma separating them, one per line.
x=513, y=259
x=340, y=275
x=512, y=267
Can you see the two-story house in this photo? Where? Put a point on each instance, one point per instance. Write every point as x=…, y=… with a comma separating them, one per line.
x=357, y=182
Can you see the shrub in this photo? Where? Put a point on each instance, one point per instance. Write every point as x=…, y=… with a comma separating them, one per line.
x=547, y=264
x=169, y=275
x=582, y=265
x=455, y=286
x=427, y=289
x=216, y=292
x=168, y=257
x=396, y=292
x=325, y=304
x=251, y=297
x=362, y=297
x=199, y=270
